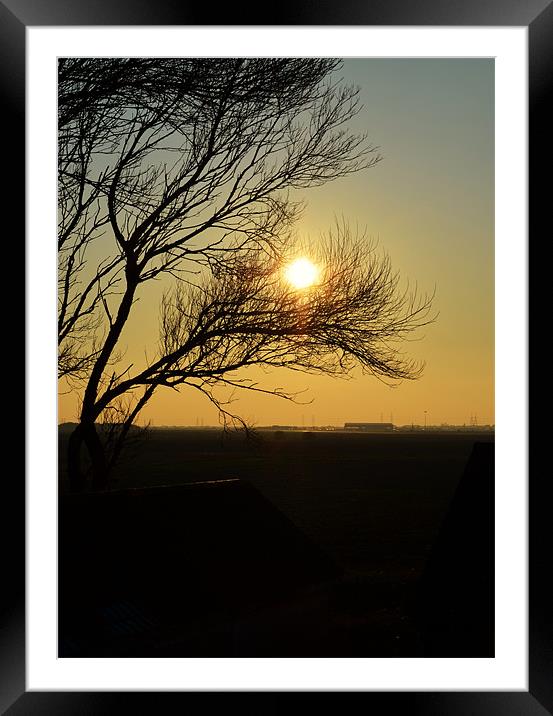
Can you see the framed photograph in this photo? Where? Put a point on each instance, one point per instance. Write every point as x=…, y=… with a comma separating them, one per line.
x=226, y=179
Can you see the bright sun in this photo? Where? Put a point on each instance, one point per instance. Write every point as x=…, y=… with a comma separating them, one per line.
x=301, y=273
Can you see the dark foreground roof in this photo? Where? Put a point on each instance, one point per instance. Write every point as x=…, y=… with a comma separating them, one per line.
x=149, y=572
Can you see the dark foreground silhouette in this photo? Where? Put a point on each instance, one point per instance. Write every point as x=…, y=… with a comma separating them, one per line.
x=180, y=570
x=215, y=569
x=455, y=598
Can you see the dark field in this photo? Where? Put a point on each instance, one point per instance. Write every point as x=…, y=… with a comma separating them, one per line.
x=372, y=503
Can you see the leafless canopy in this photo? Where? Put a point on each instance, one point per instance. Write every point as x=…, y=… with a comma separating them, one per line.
x=355, y=315
x=165, y=160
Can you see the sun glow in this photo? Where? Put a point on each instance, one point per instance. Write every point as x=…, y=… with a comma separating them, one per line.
x=301, y=273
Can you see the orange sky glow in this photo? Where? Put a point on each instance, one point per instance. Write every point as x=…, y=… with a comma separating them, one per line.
x=430, y=206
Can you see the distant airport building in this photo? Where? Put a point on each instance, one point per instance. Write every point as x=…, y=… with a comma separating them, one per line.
x=370, y=427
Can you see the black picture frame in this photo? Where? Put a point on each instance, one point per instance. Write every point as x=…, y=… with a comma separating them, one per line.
x=537, y=15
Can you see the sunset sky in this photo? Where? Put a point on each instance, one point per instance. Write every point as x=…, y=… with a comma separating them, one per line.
x=430, y=205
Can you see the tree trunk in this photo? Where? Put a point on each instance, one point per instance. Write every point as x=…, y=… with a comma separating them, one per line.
x=86, y=433
x=97, y=455
x=90, y=410
x=77, y=482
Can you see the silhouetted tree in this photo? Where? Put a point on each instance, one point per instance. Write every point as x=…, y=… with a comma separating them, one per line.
x=185, y=168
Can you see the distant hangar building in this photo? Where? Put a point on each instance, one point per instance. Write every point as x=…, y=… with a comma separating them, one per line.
x=370, y=427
